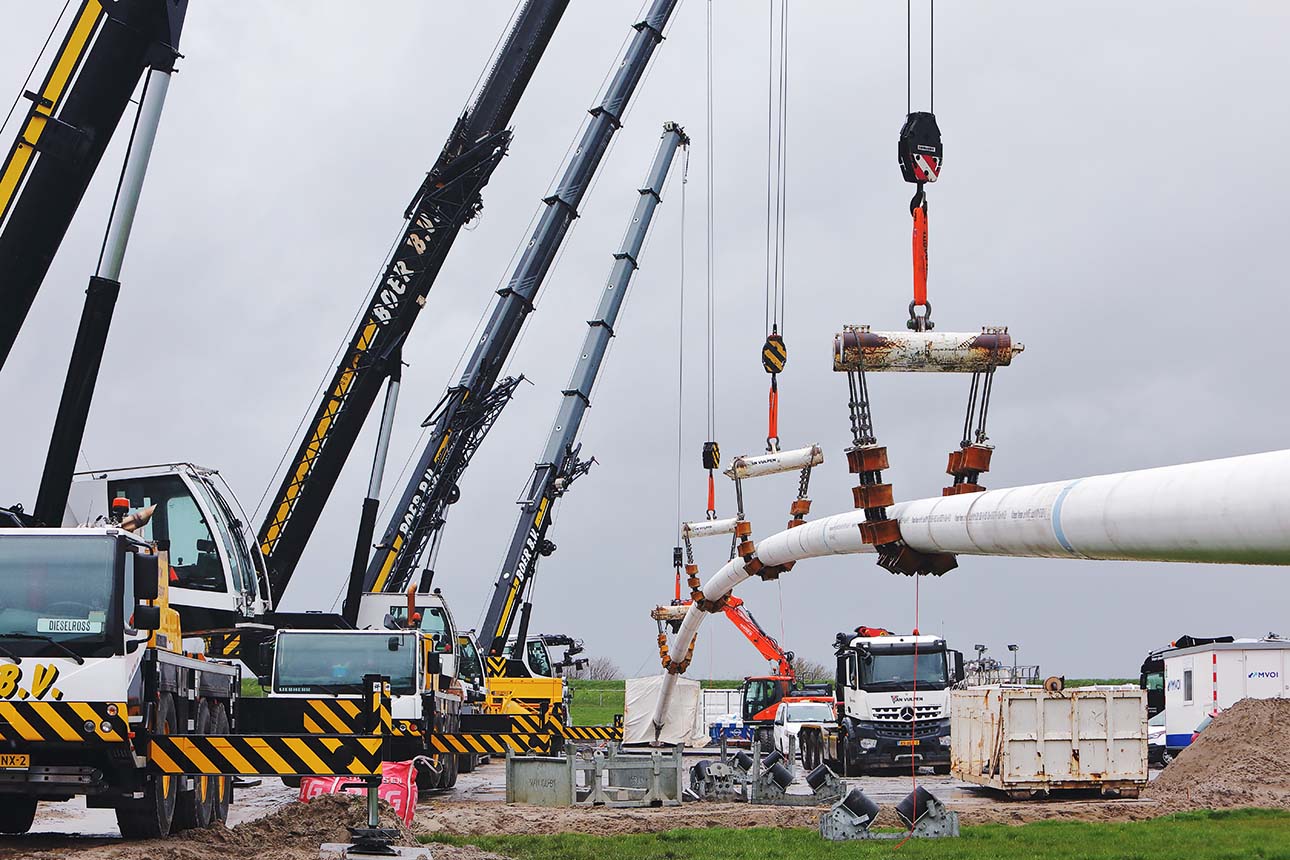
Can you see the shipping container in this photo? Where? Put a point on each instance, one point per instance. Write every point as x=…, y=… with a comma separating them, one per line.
x=1024, y=740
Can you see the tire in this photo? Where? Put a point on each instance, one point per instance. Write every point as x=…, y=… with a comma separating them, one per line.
x=16, y=814
x=223, y=784
x=467, y=763
x=1166, y=758
x=152, y=816
x=940, y=769
x=454, y=768
x=195, y=808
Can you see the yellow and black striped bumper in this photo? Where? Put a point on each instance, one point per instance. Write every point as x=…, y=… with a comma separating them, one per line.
x=488, y=744
x=592, y=733
x=281, y=755
x=68, y=722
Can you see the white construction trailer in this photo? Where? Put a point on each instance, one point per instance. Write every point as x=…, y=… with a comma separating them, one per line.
x=1206, y=679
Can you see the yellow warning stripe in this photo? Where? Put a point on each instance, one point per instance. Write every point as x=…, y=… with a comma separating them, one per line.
x=301, y=749
x=330, y=717
x=46, y=712
x=235, y=758
x=60, y=74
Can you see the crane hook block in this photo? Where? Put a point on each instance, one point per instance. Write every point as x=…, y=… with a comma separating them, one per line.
x=711, y=455
x=920, y=149
x=774, y=354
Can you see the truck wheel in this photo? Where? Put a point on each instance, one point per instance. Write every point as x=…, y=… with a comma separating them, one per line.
x=152, y=816
x=453, y=770
x=16, y=814
x=467, y=763
x=223, y=784
x=193, y=809
x=940, y=769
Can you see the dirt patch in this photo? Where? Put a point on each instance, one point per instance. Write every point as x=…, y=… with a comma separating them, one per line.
x=476, y=819
x=1241, y=759
x=293, y=832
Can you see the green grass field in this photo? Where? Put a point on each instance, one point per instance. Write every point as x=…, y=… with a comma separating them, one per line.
x=1232, y=835
x=596, y=702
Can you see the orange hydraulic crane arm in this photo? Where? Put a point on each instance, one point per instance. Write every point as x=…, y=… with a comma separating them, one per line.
x=761, y=640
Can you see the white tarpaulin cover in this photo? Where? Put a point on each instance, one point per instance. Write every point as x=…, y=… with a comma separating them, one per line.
x=682, y=722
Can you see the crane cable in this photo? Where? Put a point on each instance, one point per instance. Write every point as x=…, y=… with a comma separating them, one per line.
x=774, y=353
x=680, y=375
x=711, y=450
x=920, y=154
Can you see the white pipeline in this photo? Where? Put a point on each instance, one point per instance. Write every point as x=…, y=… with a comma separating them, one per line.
x=1231, y=511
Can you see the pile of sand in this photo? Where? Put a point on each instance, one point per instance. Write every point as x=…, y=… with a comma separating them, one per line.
x=1241, y=759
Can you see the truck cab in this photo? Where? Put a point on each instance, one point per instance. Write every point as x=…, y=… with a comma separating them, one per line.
x=893, y=702
x=324, y=669
x=90, y=669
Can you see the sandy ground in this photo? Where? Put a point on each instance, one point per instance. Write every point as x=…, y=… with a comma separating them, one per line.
x=273, y=828
x=1242, y=759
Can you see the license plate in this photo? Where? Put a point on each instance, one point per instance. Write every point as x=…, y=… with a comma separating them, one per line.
x=908, y=743
x=12, y=761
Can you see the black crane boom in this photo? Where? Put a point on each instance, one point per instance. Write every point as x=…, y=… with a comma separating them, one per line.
x=420, y=512
x=447, y=199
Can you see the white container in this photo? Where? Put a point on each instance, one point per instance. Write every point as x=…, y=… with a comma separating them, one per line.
x=1023, y=740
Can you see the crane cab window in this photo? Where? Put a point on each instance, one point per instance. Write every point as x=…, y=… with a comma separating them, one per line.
x=194, y=555
x=434, y=621
x=471, y=669
x=539, y=659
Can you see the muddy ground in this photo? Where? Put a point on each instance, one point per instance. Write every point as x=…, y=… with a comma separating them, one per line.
x=270, y=826
x=1242, y=759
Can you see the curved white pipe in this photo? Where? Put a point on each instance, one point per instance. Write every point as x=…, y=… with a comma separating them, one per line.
x=1230, y=511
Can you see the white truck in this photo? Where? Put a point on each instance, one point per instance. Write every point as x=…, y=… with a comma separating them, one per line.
x=893, y=702
x=1204, y=679
x=90, y=671
x=323, y=670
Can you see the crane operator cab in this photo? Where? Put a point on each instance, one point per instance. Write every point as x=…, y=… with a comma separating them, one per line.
x=431, y=617
x=217, y=575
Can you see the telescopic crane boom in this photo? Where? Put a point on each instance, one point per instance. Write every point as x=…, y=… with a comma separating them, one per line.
x=468, y=409
x=447, y=199
x=560, y=465
x=62, y=138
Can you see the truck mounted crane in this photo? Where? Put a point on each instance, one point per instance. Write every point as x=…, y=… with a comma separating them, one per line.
x=560, y=464
x=468, y=409
x=224, y=576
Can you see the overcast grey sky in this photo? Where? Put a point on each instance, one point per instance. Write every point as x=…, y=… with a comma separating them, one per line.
x=1113, y=190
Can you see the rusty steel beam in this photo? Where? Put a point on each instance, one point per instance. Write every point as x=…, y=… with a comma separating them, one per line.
x=923, y=351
